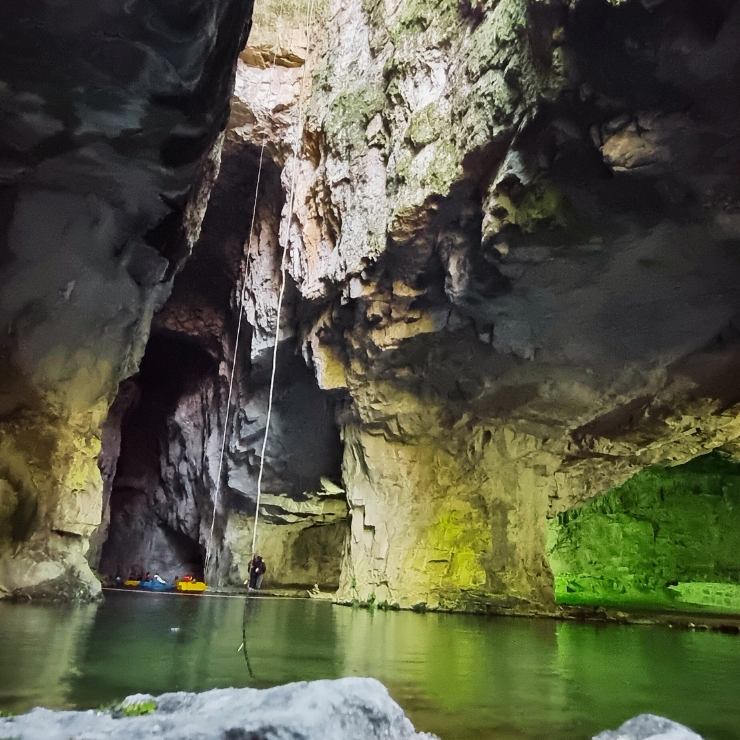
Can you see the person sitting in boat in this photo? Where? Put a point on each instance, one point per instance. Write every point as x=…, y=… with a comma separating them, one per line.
x=257, y=570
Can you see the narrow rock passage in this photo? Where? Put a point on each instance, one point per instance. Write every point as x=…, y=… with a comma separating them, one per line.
x=152, y=528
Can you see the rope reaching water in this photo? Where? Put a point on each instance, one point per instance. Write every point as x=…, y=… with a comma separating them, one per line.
x=281, y=294
x=240, y=306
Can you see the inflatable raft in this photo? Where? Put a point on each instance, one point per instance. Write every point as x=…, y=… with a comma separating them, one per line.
x=154, y=586
x=191, y=586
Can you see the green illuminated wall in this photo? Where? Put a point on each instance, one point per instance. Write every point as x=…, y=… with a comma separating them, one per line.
x=668, y=537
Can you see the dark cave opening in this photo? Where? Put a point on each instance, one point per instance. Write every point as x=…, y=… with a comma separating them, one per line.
x=168, y=419
x=160, y=510
x=151, y=530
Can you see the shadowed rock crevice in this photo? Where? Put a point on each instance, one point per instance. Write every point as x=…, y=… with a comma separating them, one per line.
x=165, y=484
x=151, y=528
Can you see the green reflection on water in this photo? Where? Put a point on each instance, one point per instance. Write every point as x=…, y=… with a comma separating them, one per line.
x=462, y=677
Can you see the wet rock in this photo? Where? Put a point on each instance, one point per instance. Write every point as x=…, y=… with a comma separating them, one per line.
x=345, y=709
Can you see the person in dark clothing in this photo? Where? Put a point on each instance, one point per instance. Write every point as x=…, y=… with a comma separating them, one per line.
x=257, y=570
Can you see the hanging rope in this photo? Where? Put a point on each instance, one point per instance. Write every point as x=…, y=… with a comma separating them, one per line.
x=240, y=306
x=283, y=270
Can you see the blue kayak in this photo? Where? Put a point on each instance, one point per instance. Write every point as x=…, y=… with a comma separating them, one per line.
x=155, y=586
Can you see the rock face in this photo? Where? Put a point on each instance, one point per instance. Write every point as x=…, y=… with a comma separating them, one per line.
x=513, y=248
x=648, y=726
x=346, y=709
x=165, y=484
x=109, y=145
x=510, y=236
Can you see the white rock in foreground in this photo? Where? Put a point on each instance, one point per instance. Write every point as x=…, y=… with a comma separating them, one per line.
x=345, y=709
x=649, y=727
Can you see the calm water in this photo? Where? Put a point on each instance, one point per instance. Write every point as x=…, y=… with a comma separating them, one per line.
x=461, y=677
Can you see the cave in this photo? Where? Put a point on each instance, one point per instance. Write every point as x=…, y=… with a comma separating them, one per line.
x=668, y=538
x=163, y=436
x=150, y=529
x=161, y=495
x=492, y=246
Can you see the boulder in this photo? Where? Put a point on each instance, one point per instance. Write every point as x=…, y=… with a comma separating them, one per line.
x=649, y=727
x=345, y=709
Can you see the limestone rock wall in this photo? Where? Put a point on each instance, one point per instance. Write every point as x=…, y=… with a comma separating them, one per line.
x=512, y=283
x=297, y=554
x=513, y=246
x=166, y=483
x=110, y=144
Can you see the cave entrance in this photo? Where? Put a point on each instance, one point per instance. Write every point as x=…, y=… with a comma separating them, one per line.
x=169, y=419
x=154, y=528
x=668, y=538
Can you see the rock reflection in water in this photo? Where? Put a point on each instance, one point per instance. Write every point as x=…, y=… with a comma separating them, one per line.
x=40, y=649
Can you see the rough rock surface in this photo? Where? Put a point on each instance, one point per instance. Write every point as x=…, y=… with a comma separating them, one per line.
x=649, y=727
x=514, y=245
x=109, y=144
x=511, y=271
x=164, y=485
x=345, y=709
x=512, y=285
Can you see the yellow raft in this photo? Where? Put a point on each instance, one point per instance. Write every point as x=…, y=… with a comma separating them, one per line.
x=191, y=586
x=131, y=583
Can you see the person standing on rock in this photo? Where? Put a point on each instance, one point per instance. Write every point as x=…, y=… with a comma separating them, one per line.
x=257, y=570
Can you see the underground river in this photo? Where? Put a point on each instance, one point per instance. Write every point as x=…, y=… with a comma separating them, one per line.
x=461, y=677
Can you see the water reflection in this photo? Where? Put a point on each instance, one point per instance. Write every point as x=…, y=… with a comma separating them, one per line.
x=462, y=677
x=39, y=652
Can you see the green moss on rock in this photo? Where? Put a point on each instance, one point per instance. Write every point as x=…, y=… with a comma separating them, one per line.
x=669, y=537
x=492, y=43
x=426, y=125
x=348, y=116
x=543, y=203
x=139, y=710
x=439, y=17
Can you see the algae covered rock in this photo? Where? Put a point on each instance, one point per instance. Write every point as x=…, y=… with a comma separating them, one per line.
x=345, y=709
